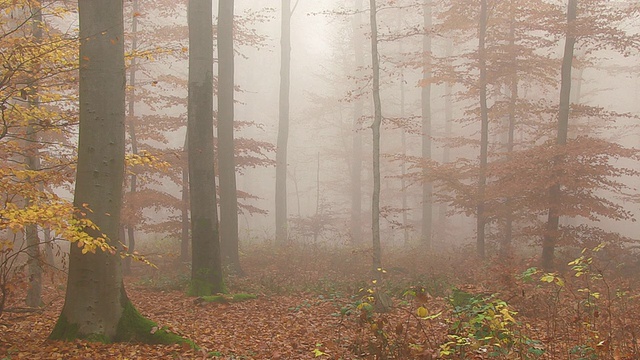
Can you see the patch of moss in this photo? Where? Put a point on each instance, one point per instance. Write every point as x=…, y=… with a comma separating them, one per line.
x=224, y=299
x=63, y=330
x=199, y=287
x=136, y=328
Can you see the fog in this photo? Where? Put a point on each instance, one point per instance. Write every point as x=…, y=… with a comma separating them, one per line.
x=325, y=84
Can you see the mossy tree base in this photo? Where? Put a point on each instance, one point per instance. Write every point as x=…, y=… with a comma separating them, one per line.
x=199, y=287
x=132, y=327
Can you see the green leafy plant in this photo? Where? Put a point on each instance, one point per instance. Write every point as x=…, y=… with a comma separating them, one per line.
x=485, y=324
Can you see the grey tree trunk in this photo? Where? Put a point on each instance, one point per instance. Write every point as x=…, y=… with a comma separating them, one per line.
x=32, y=159
x=505, y=246
x=131, y=241
x=427, y=186
x=377, y=121
x=446, y=152
x=95, y=299
x=226, y=154
x=484, y=130
x=356, y=154
x=283, y=124
x=206, y=267
x=551, y=234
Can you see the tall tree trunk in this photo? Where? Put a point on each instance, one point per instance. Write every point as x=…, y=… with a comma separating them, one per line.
x=403, y=143
x=377, y=121
x=32, y=159
x=484, y=130
x=356, y=153
x=96, y=304
x=551, y=234
x=427, y=186
x=206, y=266
x=226, y=155
x=505, y=246
x=446, y=151
x=132, y=131
x=283, y=124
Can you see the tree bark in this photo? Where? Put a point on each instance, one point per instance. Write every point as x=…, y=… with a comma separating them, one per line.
x=96, y=304
x=427, y=186
x=377, y=121
x=484, y=130
x=551, y=234
x=283, y=124
x=32, y=159
x=206, y=267
x=226, y=154
x=356, y=155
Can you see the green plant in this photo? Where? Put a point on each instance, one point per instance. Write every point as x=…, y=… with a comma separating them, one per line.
x=485, y=324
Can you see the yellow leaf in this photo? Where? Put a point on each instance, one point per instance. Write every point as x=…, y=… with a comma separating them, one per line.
x=422, y=312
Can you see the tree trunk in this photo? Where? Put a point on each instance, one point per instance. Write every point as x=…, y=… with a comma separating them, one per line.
x=484, y=130
x=377, y=120
x=32, y=159
x=506, y=244
x=132, y=132
x=206, y=267
x=551, y=234
x=427, y=186
x=283, y=124
x=226, y=153
x=96, y=304
x=356, y=154
x=446, y=151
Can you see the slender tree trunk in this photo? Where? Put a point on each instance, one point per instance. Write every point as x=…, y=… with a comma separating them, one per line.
x=132, y=132
x=48, y=248
x=226, y=154
x=403, y=143
x=377, y=121
x=505, y=247
x=427, y=186
x=484, y=130
x=206, y=266
x=446, y=152
x=283, y=124
x=32, y=159
x=551, y=235
x=356, y=154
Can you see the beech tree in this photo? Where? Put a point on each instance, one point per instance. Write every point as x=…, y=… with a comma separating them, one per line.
x=375, y=127
x=226, y=153
x=206, y=267
x=427, y=187
x=283, y=123
x=96, y=304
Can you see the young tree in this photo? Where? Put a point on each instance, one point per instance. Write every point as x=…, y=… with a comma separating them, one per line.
x=484, y=129
x=549, y=241
x=283, y=122
x=427, y=187
x=358, y=111
x=206, y=267
x=96, y=304
x=377, y=121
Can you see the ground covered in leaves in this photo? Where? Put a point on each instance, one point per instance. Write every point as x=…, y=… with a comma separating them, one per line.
x=333, y=307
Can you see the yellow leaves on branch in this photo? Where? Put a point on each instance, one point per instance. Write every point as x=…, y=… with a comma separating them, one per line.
x=146, y=159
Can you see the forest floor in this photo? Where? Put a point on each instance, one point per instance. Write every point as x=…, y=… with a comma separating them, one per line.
x=320, y=304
